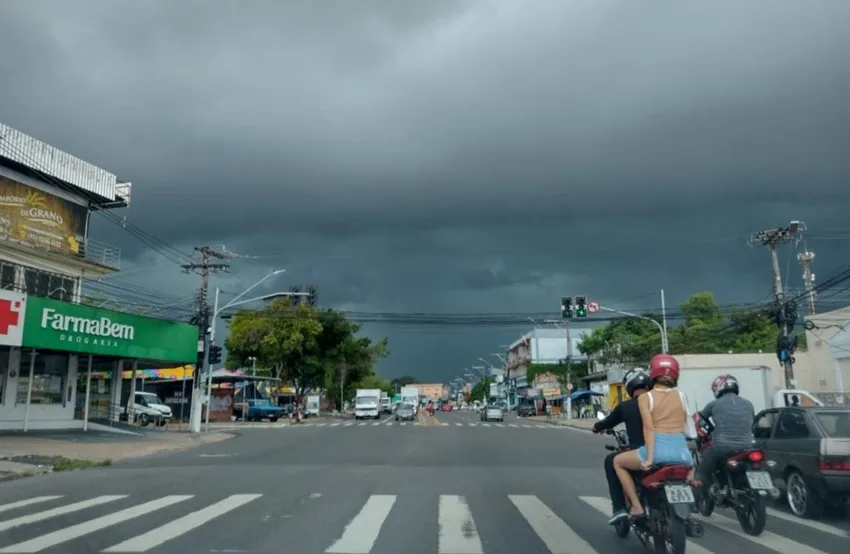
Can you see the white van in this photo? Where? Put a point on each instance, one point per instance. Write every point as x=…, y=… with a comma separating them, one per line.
x=149, y=408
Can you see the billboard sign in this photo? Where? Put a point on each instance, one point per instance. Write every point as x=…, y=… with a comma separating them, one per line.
x=35, y=219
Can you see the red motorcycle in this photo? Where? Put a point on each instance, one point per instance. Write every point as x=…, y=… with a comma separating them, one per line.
x=667, y=499
x=740, y=483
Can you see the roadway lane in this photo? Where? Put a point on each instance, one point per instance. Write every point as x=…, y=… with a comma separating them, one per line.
x=437, y=487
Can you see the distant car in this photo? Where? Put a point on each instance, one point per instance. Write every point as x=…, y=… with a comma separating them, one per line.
x=446, y=407
x=492, y=413
x=526, y=410
x=405, y=412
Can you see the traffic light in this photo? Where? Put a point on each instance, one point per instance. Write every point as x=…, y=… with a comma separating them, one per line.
x=215, y=354
x=311, y=296
x=567, y=307
x=581, y=306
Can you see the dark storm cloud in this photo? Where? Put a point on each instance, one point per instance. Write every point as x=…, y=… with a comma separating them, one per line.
x=452, y=155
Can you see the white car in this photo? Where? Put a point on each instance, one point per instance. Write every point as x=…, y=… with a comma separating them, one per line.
x=492, y=413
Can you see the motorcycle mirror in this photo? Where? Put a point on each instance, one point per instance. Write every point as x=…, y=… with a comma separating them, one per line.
x=600, y=416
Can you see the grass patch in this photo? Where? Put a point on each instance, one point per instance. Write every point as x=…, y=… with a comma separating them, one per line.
x=69, y=464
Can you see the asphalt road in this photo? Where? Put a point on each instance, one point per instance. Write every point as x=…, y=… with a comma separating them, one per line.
x=447, y=486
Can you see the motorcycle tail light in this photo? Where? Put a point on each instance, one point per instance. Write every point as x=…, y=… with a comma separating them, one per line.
x=756, y=456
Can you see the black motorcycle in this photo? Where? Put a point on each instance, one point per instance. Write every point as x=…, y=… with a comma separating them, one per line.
x=740, y=483
x=667, y=499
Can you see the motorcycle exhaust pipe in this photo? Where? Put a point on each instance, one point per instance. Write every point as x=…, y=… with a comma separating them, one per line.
x=774, y=493
x=694, y=530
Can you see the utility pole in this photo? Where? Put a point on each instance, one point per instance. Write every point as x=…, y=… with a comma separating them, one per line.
x=806, y=258
x=785, y=312
x=204, y=268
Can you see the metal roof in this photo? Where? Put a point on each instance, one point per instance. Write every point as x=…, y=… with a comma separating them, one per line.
x=33, y=154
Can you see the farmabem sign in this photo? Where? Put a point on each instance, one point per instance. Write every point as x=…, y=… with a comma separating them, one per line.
x=55, y=325
x=13, y=306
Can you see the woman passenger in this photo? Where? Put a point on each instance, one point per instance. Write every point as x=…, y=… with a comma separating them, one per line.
x=664, y=414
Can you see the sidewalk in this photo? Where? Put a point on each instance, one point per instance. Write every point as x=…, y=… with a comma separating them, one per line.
x=39, y=452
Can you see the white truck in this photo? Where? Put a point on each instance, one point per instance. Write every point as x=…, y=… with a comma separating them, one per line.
x=313, y=403
x=755, y=383
x=410, y=395
x=386, y=403
x=367, y=404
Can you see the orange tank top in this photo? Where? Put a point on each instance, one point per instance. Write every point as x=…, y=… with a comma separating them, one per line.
x=667, y=407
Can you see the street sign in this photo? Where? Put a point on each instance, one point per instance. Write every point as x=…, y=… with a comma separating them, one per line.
x=593, y=307
x=569, y=386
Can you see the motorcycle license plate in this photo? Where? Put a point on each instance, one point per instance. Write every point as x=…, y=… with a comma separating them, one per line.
x=679, y=494
x=760, y=480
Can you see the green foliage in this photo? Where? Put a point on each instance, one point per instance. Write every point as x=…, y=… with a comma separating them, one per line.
x=704, y=330
x=305, y=348
x=481, y=390
x=563, y=372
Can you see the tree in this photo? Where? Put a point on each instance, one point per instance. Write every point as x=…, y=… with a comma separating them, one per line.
x=402, y=381
x=304, y=348
x=282, y=338
x=704, y=330
x=563, y=372
x=481, y=390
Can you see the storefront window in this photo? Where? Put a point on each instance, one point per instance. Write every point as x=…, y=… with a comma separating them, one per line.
x=4, y=373
x=50, y=374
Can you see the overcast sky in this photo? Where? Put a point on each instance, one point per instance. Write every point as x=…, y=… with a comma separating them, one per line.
x=473, y=156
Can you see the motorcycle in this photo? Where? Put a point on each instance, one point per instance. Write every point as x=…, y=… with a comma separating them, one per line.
x=667, y=499
x=740, y=483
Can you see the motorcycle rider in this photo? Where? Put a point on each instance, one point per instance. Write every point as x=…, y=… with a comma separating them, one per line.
x=636, y=382
x=733, y=426
x=664, y=413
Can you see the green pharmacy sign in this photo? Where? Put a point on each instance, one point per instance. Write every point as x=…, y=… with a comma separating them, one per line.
x=50, y=324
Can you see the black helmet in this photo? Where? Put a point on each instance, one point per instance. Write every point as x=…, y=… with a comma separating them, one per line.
x=635, y=379
x=723, y=384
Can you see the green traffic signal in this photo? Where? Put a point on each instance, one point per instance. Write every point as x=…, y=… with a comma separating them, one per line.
x=566, y=307
x=581, y=306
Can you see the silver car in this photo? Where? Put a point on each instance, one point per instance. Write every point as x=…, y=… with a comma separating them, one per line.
x=492, y=413
x=404, y=412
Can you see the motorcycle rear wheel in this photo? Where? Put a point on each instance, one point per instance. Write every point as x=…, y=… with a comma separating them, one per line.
x=676, y=537
x=753, y=516
x=622, y=528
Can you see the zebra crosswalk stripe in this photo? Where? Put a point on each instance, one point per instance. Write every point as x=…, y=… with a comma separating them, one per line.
x=362, y=532
x=174, y=529
x=27, y=502
x=457, y=533
x=60, y=511
x=555, y=534
x=75, y=531
x=775, y=542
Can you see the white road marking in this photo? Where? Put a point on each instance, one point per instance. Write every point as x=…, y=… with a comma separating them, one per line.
x=603, y=505
x=445, y=424
x=486, y=424
x=555, y=534
x=819, y=526
x=377, y=423
x=321, y=424
x=513, y=425
x=459, y=424
x=335, y=424
x=775, y=542
x=457, y=532
x=27, y=502
x=361, y=533
x=180, y=526
x=362, y=424
x=349, y=424
x=60, y=511
x=403, y=423
x=49, y=540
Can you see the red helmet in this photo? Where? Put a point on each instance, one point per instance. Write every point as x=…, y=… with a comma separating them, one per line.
x=663, y=364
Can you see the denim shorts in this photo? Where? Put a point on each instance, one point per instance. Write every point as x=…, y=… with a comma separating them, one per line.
x=670, y=448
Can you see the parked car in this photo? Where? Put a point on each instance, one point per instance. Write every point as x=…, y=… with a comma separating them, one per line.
x=526, y=410
x=405, y=412
x=810, y=454
x=260, y=409
x=491, y=412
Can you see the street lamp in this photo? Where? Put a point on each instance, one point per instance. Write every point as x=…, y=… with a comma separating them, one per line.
x=196, y=421
x=665, y=346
